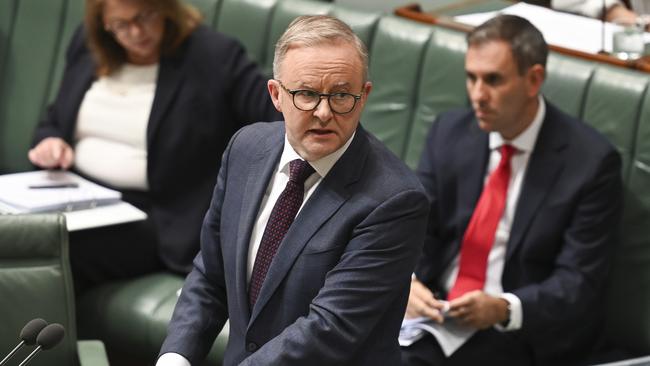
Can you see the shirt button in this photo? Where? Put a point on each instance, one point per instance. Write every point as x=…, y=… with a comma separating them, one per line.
x=251, y=347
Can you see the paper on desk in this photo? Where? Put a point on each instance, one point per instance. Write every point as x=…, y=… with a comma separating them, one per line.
x=559, y=29
x=117, y=213
x=450, y=335
x=16, y=195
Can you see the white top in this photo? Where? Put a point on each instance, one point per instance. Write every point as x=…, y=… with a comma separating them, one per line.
x=111, y=132
x=276, y=185
x=590, y=8
x=524, y=143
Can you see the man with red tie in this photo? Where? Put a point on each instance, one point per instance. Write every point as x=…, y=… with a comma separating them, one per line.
x=524, y=204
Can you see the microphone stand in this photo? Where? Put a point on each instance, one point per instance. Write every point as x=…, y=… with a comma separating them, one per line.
x=12, y=353
x=31, y=355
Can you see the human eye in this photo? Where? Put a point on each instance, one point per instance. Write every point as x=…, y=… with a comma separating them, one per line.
x=118, y=25
x=306, y=94
x=341, y=96
x=493, y=79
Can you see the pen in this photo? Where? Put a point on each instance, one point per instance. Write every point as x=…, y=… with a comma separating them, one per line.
x=54, y=185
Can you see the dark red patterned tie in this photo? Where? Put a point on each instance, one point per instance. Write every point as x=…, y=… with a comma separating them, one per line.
x=282, y=215
x=480, y=233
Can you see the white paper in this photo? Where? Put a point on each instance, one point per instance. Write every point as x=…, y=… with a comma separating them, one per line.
x=450, y=335
x=87, y=205
x=559, y=29
x=117, y=213
x=16, y=195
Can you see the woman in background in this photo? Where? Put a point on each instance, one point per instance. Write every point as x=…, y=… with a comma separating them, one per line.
x=148, y=101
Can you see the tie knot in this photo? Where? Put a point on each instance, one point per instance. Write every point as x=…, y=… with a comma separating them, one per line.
x=507, y=151
x=299, y=171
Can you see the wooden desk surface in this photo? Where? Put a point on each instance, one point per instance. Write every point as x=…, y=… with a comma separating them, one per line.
x=441, y=17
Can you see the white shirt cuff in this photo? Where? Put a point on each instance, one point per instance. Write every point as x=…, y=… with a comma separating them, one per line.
x=172, y=359
x=516, y=313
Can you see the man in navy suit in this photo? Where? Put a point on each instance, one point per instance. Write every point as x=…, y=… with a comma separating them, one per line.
x=524, y=205
x=332, y=288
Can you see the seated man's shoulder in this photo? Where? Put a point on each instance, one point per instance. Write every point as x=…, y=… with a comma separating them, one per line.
x=580, y=134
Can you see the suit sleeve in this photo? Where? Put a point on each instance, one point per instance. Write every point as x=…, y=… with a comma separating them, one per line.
x=582, y=263
x=372, y=273
x=427, y=176
x=247, y=88
x=202, y=308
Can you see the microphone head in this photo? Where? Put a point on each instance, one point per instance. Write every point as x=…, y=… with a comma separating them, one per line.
x=31, y=329
x=50, y=336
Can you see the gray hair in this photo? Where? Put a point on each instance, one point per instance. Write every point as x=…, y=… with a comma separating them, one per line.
x=526, y=42
x=314, y=30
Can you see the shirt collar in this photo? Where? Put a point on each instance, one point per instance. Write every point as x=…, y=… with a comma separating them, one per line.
x=322, y=166
x=525, y=142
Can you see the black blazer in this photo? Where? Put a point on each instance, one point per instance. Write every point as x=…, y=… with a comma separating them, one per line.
x=205, y=91
x=562, y=236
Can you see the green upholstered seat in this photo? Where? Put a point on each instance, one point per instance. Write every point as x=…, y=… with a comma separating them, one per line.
x=628, y=297
x=283, y=14
x=29, y=57
x=395, y=60
x=567, y=79
x=35, y=282
x=441, y=87
x=209, y=9
x=613, y=103
x=248, y=21
x=135, y=315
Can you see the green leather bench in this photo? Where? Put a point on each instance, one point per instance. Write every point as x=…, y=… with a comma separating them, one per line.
x=35, y=282
x=417, y=70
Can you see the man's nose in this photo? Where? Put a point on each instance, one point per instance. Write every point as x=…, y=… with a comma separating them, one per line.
x=323, y=111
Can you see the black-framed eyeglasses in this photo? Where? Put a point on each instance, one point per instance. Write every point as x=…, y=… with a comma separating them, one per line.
x=308, y=100
x=143, y=19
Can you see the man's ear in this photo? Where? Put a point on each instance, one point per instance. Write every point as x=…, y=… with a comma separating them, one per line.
x=535, y=78
x=274, y=92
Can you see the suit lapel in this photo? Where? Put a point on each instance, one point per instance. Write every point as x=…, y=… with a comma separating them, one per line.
x=470, y=158
x=170, y=77
x=261, y=168
x=546, y=163
x=329, y=196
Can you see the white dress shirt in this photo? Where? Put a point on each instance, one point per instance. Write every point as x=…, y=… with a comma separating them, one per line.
x=276, y=185
x=524, y=143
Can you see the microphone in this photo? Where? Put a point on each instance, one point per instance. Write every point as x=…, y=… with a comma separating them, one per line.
x=28, y=336
x=49, y=337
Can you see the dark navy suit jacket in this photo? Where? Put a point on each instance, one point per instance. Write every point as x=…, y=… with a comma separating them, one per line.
x=206, y=90
x=336, y=290
x=562, y=236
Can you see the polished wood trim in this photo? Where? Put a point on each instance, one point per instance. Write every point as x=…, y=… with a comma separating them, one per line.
x=415, y=12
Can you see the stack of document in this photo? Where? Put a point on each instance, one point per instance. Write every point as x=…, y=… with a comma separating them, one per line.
x=51, y=191
x=84, y=203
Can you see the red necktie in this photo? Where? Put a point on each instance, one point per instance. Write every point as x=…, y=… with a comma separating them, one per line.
x=283, y=213
x=482, y=228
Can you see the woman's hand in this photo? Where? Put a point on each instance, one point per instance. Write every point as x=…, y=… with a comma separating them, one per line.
x=52, y=152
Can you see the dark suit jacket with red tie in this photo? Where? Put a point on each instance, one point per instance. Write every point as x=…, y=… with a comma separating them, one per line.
x=336, y=290
x=561, y=238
